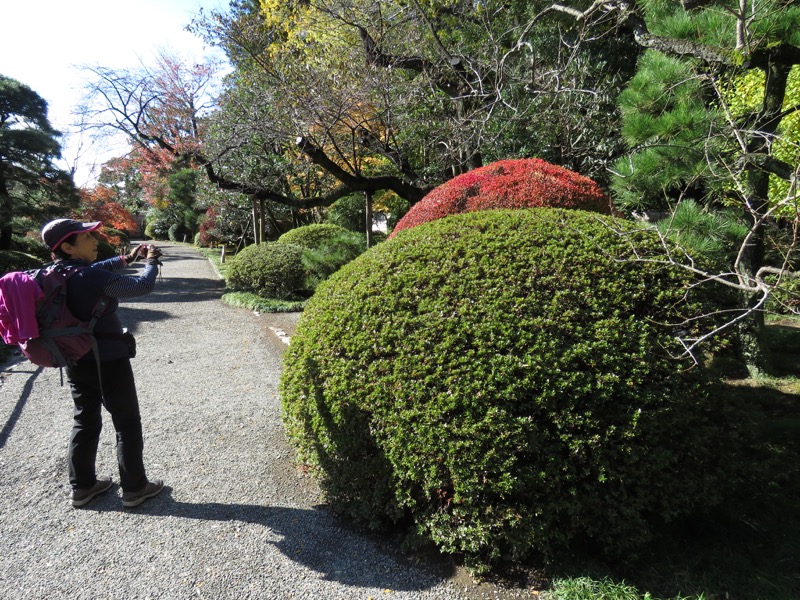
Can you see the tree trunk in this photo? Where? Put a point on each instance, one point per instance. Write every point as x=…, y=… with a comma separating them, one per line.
x=755, y=352
x=6, y=214
x=258, y=220
x=262, y=222
x=368, y=218
x=275, y=225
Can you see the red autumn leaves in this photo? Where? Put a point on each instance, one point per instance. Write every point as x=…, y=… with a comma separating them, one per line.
x=510, y=184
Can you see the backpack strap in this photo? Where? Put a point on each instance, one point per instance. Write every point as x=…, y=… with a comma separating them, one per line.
x=98, y=310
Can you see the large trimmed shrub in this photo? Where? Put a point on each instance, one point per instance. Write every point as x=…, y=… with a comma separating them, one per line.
x=504, y=380
x=513, y=183
x=271, y=270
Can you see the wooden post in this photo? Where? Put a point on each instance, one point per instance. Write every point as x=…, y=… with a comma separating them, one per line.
x=258, y=228
x=368, y=219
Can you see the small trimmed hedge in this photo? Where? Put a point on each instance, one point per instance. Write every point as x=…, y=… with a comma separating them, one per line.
x=272, y=270
x=312, y=236
x=512, y=184
x=326, y=248
x=503, y=380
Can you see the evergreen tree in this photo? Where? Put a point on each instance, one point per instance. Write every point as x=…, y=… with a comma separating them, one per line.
x=30, y=184
x=687, y=142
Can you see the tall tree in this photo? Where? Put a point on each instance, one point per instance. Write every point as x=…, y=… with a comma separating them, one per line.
x=688, y=142
x=332, y=97
x=161, y=111
x=30, y=183
x=429, y=88
x=122, y=175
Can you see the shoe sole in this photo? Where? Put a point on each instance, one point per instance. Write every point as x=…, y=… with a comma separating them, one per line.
x=85, y=501
x=140, y=499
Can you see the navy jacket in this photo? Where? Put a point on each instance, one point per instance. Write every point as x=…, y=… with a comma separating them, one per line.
x=94, y=280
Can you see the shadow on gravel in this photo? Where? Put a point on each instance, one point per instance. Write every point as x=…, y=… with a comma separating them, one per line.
x=131, y=318
x=172, y=291
x=16, y=412
x=312, y=538
x=183, y=289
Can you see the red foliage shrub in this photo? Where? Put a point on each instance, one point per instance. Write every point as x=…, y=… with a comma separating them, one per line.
x=513, y=183
x=207, y=227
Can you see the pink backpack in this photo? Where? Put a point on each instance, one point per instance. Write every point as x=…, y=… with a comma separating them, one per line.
x=63, y=338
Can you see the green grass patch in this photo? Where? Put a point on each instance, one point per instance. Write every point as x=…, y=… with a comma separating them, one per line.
x=584, y=588
x=257, y=303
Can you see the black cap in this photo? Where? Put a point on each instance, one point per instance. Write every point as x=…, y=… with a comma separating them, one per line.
x=55, y=232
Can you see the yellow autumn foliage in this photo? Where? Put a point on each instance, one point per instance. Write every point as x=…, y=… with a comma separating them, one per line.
x=745, y=94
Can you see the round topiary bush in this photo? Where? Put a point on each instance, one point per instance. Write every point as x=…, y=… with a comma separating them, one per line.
x=271, y=270
x=157, y=230
x=513, y=183
x=505, y=380
x=312, y=236
x=177, y=232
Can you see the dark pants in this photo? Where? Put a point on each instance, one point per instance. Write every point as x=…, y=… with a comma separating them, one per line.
x=122, y=404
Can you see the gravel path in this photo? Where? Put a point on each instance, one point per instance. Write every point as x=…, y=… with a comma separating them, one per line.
x=237, y=520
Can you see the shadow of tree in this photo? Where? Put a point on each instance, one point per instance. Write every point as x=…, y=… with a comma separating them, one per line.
x=747, y=547
x=785, y=343
x=314, y=538
x=182, y=289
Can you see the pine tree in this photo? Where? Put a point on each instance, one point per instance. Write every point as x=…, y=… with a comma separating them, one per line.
x=30, y=183
x=687, y=142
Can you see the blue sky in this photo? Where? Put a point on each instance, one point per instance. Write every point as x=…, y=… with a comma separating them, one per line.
x=44, y=42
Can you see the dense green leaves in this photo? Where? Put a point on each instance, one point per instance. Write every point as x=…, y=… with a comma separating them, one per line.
x=506, y=380
x=682, y=112
x=271, y=270
x=30, y=184
x=665, y=119
x=326, y=248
